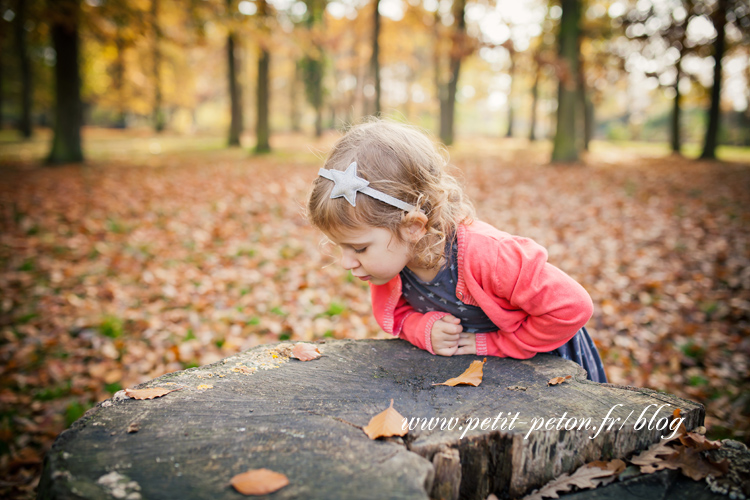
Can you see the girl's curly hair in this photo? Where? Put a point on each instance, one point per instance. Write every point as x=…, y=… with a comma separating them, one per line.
x=402, y=161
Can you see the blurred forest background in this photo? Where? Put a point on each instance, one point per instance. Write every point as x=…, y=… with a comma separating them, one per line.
x=155, y=157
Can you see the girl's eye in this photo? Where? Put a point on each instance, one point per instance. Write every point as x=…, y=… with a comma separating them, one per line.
x=360, y=250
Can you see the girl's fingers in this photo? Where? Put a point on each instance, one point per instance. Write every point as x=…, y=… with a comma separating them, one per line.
x=453, y=337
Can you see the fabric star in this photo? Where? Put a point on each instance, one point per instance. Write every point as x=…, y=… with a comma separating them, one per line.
x=347, y=184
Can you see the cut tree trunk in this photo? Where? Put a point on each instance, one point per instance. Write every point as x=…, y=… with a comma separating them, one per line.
x=260, y=409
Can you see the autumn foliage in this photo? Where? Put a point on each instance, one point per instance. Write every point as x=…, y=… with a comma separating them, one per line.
x=118, y=272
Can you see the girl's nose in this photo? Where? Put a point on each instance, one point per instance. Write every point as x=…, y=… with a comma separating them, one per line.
x=348, y=261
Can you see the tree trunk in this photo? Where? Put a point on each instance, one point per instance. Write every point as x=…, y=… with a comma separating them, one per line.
x=158, y=112
x=261, y=128
x=235, y=102
x=719, y=19
x=313, y=65
x=375, y=62
x=294, y=108
x=511, y=71
x=586, y=110
x=675, y=125
x=120, y=75
x=66, y=143
x=534, y=101
x=24, y=125
x=448, y=101
x=566, y=136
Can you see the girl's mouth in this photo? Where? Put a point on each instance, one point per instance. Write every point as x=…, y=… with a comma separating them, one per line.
x=364, y=278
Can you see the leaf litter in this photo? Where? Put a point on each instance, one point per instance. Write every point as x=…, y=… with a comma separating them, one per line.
x=113, y=275
x=689, y=452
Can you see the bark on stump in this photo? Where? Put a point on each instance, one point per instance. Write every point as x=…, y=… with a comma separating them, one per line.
x=259, y=409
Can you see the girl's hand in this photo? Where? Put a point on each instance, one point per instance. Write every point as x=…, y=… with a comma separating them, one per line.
x=445, y=335
x=467, y=343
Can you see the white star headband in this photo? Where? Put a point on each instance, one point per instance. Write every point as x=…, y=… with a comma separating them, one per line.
x=347, y=183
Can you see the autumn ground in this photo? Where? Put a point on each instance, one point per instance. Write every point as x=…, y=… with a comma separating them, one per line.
x=162, y=254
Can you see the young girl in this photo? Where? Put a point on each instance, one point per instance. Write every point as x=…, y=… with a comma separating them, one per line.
x=445, y=282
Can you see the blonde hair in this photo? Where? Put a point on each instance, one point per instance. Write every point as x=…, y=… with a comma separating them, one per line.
x=402, y=161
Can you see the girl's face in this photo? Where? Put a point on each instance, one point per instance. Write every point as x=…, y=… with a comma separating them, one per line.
x=373, y=254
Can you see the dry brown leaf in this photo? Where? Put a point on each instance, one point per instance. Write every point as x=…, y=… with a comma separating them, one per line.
x=386, y=423
x=472, y=375
x=149, y=393
x=616, y=466
x=134, y=427
x=589, y=476
x=654, y=458
x=305, y=352
x=699, y=442
x=259, y=482
x=558, y=380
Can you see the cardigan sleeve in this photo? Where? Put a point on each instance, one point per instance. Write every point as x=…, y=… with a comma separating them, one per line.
x=551, y=306
x=408, y=324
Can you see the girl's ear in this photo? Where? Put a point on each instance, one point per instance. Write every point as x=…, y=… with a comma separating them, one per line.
x=414, y=226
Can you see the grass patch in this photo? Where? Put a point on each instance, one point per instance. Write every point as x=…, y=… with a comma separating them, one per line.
x=113, y=388
x=27, y=266
x=52, y=393
x=74, y=411
x=335, y=308
x=111, y=327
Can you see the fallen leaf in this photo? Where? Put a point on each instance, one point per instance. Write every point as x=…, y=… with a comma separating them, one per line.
x=259, y=482
x=586, y=477
x=516, y=388
x=305, y=352
x=616, y=466
x=203, y=387
x=558, y=380
x=134, y=427
x=386, y=423
x=654, y=458
x=149, y=393
x=699, y=442
x=472, y=375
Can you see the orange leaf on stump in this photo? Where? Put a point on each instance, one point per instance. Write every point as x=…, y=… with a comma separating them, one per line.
x=259, y=482
x=386, y=423
x=472, y=375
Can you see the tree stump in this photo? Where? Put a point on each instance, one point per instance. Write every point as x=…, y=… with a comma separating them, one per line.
x=260, y=409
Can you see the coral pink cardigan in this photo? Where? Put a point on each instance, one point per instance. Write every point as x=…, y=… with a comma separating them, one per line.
x=536, y=306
